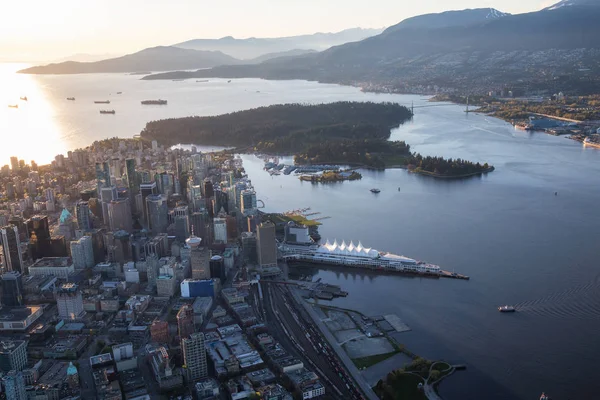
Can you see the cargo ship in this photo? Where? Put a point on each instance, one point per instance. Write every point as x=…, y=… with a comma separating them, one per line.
x=158, y=102
x=102, y=102
x=107, y=112
x=71, y=98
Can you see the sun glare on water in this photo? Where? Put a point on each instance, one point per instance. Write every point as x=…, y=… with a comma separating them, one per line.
x=28, y=128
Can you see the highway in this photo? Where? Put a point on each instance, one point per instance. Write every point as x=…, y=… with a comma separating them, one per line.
x=300, y=333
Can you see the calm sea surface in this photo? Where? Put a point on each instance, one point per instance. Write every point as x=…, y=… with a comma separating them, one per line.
x=521, y=244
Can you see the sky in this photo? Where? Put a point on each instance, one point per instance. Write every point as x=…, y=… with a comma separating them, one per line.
x=35, y=30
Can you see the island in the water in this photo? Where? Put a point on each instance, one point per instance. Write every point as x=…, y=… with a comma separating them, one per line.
x=349, y=133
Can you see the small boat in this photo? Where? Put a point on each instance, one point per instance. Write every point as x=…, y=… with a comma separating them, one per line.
x=375, y=191
x=504, y=309
x=102, y=102
x=71, y=98
x=202, y=81
x=107, y=112
x=13, y=106
x=398, y=188
x=24, y=98
x=229, y=81
x=119, y=92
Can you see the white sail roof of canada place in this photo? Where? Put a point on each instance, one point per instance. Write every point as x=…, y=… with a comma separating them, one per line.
x=344, y=249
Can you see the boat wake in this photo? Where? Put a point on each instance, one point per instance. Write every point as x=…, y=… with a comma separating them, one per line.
x=581, y=302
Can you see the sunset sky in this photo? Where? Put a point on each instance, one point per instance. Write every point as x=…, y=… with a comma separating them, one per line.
x=37, y=30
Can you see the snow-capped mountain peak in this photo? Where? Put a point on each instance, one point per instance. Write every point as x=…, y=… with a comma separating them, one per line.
x=568, y=3
x=493, y=14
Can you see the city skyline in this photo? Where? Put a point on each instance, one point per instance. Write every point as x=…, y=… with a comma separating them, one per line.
x=114, y=28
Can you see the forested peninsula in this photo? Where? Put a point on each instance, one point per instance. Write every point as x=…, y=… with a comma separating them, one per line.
x=354, y=133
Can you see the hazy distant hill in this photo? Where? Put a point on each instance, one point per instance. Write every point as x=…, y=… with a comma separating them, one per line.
x=554, y=49
x=272, y=56
x=162, y=58
x=84, y=57
x=255, y=47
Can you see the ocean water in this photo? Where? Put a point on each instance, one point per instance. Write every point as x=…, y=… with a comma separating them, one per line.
x=520, y=243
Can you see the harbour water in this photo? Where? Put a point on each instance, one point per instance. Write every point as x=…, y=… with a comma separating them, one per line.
x=519, y=242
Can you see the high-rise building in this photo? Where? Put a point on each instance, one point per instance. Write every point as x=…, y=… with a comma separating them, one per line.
x=248, y=202
x=97, y=245
x=194, y=356
x=14, y=385
x=182, y=227
x=198, y=224
x=12, y=289
x=217, y=268
x=14, y=164
x=185, y=321
x=157, y=213
x=132, y=179
x=107, y=194
x=152, y=266
x=266, y=245
x=102, y=176
x=69, y=302
x=200, y=263
x=249, y=247
x=82, y=211
x=166, y=183
x=220, y=229
x=147, y=189
x=11, y=248
x=82, y=253
x=13, y=355
x=119, y=215
x=39, y=237
x=208, y=189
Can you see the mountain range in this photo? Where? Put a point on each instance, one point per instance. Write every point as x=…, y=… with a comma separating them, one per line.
x=471, y=50
x=252, y=48
x=207, y=53
x=162, y=58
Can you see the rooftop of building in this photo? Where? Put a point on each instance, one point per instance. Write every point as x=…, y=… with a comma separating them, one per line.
x=68, y=287
x=73, y=327
x=8, y=346
x=53, y=262
x=302, y=377
x=262, y=375
x=207, y=384
x=230, y=330
x=274, y=391
x=17, y=313
x=101, y=359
